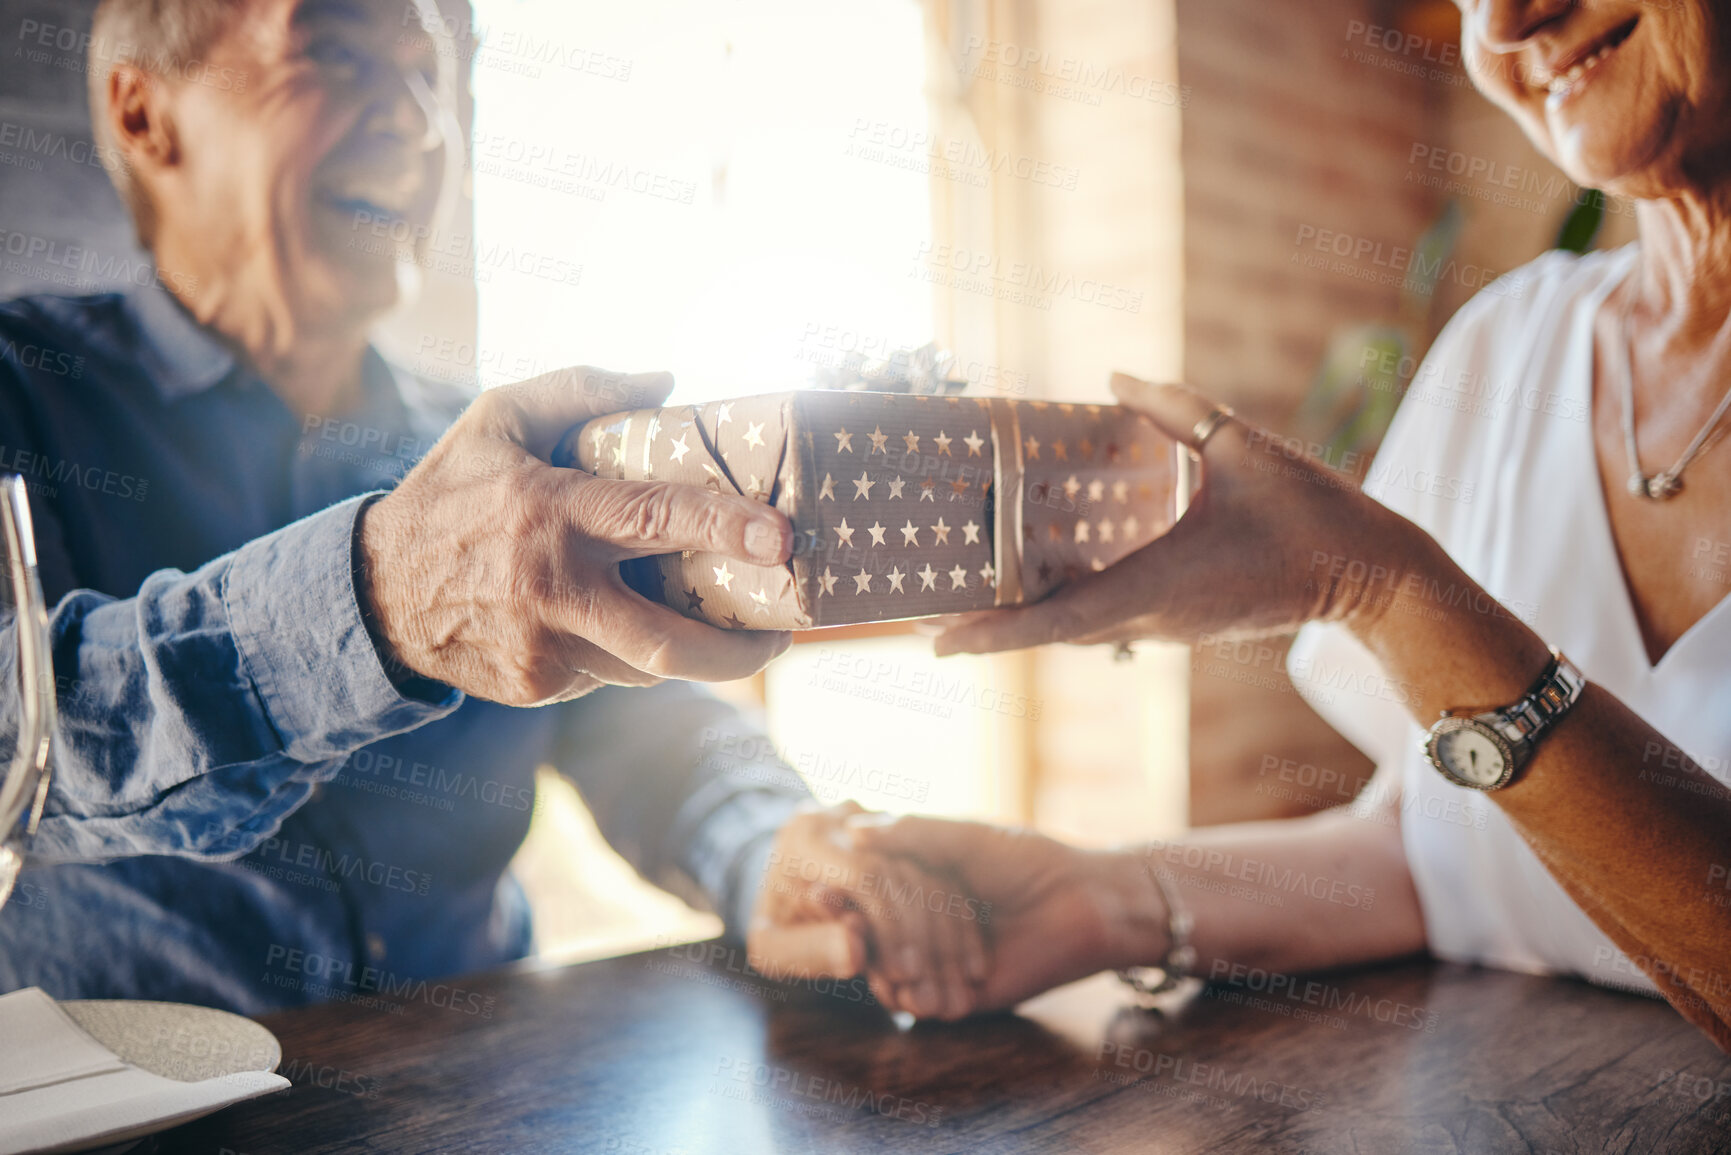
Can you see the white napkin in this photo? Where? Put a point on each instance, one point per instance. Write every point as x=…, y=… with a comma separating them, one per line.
x=61, y=1090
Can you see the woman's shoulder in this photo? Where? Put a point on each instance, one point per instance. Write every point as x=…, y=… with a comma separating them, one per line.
x=1537, y=294
x=1497, y=366
x=1505, y=350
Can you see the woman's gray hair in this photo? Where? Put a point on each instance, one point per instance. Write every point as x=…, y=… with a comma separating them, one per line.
x=166, y=38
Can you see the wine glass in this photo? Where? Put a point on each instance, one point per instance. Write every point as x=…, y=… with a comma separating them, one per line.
x=29, y=683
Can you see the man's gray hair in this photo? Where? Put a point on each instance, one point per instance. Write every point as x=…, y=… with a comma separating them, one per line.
x=164, y=37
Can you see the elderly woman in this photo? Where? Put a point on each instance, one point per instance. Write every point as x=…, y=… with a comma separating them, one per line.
x=1547, y=809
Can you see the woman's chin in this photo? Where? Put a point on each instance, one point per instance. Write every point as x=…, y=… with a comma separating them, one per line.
x=1610, y=153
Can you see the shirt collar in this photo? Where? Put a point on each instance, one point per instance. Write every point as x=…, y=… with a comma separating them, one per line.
x=183, y=358
x=180, y=356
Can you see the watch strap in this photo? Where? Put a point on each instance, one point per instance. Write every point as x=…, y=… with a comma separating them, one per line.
x=1525, y=722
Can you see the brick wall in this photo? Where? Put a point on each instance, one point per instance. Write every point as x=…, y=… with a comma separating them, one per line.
x=1290, y=131
x=1286, y=132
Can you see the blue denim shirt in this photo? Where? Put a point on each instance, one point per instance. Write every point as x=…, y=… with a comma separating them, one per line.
x=246, y=810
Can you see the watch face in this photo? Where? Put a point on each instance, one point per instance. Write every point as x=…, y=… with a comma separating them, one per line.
x=1472, y=756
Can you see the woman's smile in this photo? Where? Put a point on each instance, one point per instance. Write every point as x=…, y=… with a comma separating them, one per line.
x=1576, y=71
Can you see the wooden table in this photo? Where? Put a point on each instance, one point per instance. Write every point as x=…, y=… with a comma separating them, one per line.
x=658, y=1054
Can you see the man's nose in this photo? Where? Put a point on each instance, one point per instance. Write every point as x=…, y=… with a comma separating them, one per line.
x=1507, y=25
x=406, y=107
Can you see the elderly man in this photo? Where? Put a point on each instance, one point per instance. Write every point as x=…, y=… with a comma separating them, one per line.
x=293, y=685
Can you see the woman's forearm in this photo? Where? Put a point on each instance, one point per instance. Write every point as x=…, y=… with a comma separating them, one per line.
x=1285, y=896
x=1639, y=852
x=1272, y=541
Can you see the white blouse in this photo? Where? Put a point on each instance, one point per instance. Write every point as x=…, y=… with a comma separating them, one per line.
x=1492, y=453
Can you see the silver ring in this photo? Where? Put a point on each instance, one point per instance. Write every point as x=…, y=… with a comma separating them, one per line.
x=1209, y=426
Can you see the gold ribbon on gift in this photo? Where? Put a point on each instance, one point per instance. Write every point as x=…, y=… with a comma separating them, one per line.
x=1007, y=480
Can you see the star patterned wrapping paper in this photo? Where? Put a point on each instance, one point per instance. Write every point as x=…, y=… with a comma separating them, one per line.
x=903, y=506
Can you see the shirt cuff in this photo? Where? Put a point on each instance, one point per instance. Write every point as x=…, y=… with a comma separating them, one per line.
x=726, y=853
x=296, y=620
x=750, y=869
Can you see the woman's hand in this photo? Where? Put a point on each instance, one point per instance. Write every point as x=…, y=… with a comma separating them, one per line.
x=1271, y=541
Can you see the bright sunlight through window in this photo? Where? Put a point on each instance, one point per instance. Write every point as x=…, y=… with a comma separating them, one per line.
x=688, y=186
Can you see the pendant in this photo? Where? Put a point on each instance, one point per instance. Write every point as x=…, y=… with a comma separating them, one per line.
x=1661, y=487
x=1664, y=487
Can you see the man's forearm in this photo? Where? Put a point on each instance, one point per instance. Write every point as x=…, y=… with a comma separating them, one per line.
x=199, y=713
x=683, y=787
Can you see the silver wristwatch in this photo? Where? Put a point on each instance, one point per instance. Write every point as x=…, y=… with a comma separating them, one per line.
x=1484, y=751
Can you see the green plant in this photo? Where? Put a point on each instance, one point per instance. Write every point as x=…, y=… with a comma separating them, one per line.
x=1359, y=384
x=1580, y=228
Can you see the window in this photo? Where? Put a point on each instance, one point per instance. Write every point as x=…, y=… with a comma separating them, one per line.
x=683, y=182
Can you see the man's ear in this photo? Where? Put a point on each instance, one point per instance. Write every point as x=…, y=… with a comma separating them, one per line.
x=140, y=121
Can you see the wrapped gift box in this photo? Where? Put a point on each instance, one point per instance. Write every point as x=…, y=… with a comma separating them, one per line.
x=903, y=506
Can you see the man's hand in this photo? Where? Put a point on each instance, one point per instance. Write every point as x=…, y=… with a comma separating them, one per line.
x=493, y=572
x=830, y=909
x=1054, y=913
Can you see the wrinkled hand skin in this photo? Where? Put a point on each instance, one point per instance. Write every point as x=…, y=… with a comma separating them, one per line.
x=1271, y=541
x=829, y=908
x=491, y=571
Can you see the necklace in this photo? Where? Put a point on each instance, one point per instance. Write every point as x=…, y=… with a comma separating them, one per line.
x=1667, y=483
